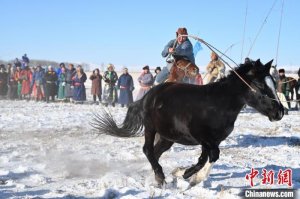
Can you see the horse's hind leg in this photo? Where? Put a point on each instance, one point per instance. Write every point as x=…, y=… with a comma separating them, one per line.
x=148, y=150
x=161, y=146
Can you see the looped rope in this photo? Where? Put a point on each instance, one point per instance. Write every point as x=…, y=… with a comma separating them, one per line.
x=212, y=48
x=293, y=79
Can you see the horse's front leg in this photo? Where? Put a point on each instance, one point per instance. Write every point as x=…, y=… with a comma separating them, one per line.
x=204, y=172
x=148, y=150
x=186, y=173
x=201, y=162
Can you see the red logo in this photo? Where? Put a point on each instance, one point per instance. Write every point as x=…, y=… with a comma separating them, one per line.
x=268, y=177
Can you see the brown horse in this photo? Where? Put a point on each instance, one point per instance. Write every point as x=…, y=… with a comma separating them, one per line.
x=182, y=69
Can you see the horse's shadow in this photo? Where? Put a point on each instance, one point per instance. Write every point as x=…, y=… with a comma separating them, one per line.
x=245, y=141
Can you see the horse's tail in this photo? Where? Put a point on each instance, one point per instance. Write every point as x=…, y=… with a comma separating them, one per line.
x=131, y=127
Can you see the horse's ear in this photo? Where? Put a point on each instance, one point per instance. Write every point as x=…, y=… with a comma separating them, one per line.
x=268, y=66
x=257, y=62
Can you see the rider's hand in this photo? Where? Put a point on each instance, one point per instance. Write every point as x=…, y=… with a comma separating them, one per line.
x=171, y=50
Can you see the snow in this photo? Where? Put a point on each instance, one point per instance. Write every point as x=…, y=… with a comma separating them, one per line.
x=51, y=151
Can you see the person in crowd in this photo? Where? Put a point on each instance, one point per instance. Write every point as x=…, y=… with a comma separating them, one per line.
x=38, y=82
x=12, y=83
x=181, y=46
x=126, y=86
x=26, y=77
x=3, y=81
x=110, y=77
x=61, y=83
x=58, y=70
x=146, y=82
x=157, y=70
x=50, y=84
x=25, y=61
x=79, y=95
x=70, y=73
x=19, y=80
x=198, y=79
x=17, y=63
x=298, y=90
x=215, y=69
x=33, y=91
x=283, y=87
x=96, y=90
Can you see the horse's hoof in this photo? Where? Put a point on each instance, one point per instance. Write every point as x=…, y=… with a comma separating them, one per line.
x=160, y=179
x=196, y=179
x=178, y=172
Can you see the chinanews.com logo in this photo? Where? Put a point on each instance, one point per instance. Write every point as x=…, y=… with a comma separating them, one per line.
x=269, y=178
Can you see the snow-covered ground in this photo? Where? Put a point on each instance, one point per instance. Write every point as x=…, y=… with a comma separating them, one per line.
x=51, y=151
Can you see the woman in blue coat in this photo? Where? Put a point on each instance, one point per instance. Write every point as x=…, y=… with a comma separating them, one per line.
x=126, y=86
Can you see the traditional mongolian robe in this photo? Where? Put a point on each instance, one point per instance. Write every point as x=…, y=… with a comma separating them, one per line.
x=39, y=83
x=26, y=77
x=126, y=86
x=12, y=85
x=69, y=83
x=61, y=86
x=215, y=70
x=3, y=83
x=146, y=81
x=79, y=94
x=50, y=85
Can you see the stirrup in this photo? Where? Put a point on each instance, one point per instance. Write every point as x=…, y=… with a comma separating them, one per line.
x=170, y=60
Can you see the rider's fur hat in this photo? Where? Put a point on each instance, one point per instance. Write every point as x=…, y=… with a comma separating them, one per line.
x=181, y=31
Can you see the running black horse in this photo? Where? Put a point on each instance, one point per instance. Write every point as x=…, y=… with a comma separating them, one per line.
x=195, y=115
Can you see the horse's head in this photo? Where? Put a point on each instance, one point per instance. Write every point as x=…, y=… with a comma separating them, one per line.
x=264, y=99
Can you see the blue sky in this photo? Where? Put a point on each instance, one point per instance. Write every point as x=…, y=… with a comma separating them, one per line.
x=134, y=32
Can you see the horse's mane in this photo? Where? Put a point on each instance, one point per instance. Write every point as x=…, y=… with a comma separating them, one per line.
x=242, y=70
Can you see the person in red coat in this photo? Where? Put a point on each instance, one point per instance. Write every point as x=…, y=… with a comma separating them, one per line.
x=198, y=79
x=26, y=77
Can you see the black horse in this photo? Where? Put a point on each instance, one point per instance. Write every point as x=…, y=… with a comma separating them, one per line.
x=195, y=115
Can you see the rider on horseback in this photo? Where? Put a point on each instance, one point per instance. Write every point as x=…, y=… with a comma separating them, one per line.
x=181, y=46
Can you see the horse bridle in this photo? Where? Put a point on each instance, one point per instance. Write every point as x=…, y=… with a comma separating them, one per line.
x=184, y=69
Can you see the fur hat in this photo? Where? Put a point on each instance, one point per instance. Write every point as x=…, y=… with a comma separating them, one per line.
x=146, y=67
x=157, y=68
x=181, y=31
x=281, y=70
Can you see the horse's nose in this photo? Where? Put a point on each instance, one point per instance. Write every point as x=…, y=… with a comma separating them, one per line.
x=279, y=113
